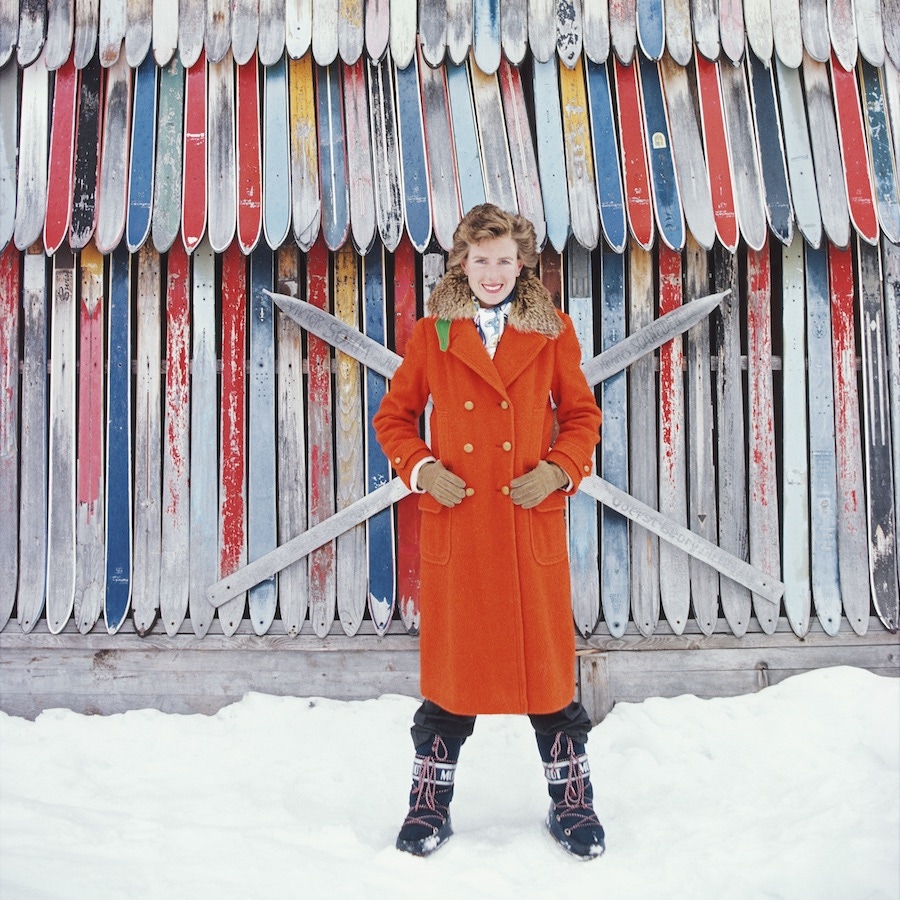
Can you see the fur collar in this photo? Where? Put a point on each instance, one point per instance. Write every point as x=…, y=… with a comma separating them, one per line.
x=531, y=310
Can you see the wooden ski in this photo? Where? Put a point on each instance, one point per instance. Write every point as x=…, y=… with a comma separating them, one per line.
x=31, y=191
x=795, y=528
x=142, y=155
x=636, y=177
x=138, y=31
x=271, y=31
x=276, y=156
x=332, y=158
x=880, y=509
x=87, y=157
x=90, y=515
x=61, y=168
x=499, y=187
x=217, y=39
x=248, y=156
x=293, y=582
x=798, y=151
x=666, y=195
x=221, y=162
x=112, y=187
x=732, y=480
x=432, y=28
x=325, y=32
x=826, y=153
x=117, y=598
x=853, y=540
x=232, y=432
x=9, y=117
x=351, y=34
x=465, y=138
x=408, y=515
x=61, y=487
x=378, y=28
x=884, y=168
x=842, y=28
x=385, y=153
x=758, y=25
x=193, y=191
x=486, y=35
x=459, y=30
x=772, y=159
x=765, y=548
x=674, y=567
x=359, y=157
x=521, y=141
x=744, y=156
x=322, y=588
x=204, y=507
x=244, y=30
x=584, y=549
x=607, y=167
x=568, y=32
x=165, y=31
x=414, y=172
x=541, y=30
x=169, y=147
x=9, y=29
x=439, y=149
x=262, y=521
x=651, y=32
x=721, y=184
x=349, y=455
x=298, y=27
x=731, y=28
x=891, y=10
x=10, y=284
x=870, y=30
x=687, y=150
x=814, y=28
x=615, y=557
x=403, y=31
x=191, y=31
x=580, y=181
x=702, y=514
x=33, y=447
x=891, y=264
x=32, y=30
x=514, y=31
x=855, y=154
x=175, y=570
x=679, y=40
x=551, y=153
x=623, y=29
x=305, y=203
x=148, y=445
x=786, y=32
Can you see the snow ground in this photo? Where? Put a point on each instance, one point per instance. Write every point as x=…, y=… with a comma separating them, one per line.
x=790, y=793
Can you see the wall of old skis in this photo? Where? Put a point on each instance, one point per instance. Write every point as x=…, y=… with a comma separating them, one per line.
x=162, y=422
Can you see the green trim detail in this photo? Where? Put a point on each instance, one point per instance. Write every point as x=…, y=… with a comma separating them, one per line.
x=442, y=326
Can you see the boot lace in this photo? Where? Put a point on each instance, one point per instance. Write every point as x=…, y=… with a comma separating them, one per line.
x=427, y=810
x=575, y=811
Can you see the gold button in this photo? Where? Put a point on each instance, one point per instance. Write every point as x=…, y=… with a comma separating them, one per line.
x=504, y=404
x=396, y=459
x=504, y=490
x=469, y=404
x=587, y=468
x=507, y=446
x=468, y=448
x=470, y=491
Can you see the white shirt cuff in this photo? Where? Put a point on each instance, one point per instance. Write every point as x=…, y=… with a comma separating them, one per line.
x=414, y=475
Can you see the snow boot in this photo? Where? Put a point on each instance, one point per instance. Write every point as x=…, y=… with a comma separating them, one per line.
x=427, y=824
x=572, y=821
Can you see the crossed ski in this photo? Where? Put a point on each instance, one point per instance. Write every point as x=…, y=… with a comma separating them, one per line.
x=375, y=356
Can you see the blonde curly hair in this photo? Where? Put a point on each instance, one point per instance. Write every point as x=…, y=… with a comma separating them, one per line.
x=487, y=221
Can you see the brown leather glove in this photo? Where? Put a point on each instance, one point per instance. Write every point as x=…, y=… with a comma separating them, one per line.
x=529, y=489
x=448, y=489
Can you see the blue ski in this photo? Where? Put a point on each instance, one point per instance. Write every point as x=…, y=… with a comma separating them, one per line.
x=465, y=138
x=276, y=157
x=650, y=28
x=143, y=145
x=486, y=35
x=416, y=193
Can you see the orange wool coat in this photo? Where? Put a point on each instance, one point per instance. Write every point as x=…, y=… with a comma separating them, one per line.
x=496, y=620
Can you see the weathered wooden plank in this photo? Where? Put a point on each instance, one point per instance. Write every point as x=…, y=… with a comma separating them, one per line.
x=351, y=35
x=10, y=283
x=119, y=456
x=550, y=153
x=271, y=31
x=147, y=445
x=580, y=178
x=765, y=548
x=31, y=190
x=795, y=445
x=169, y=147
x=320, y=447
x=293, y=582
x=377, y=28
x=674, y=567
x=359, y=157
x=90, y=550
x=584, y=549
x=702, y=516
x=787, y=32
x=138, y=31
x=204, y=556
x=112, y=185
x=33, y=444
x=61, y=488
x=325, y=31
x=814, y=28
x=232, y=528
x=304, y=178
x=731, y=28
x=221, y=162
x=730, y=430
x=385, y=153
x=174, y=579
x=85, y=38
x=298, y=27
x=349, y=456
x=9, y=107
x=332, y=157
x=165, y=31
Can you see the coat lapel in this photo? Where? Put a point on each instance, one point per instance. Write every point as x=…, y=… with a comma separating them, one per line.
x=516, y=351
x=465, y=345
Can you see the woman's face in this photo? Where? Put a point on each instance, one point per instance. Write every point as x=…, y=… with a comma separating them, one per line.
x=492, y=268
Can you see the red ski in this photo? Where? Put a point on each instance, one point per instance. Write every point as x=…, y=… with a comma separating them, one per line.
x=193, y=196
x=61, y=170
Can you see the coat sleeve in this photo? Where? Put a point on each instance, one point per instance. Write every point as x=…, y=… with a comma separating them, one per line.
x=577, y=413
x=396, y=423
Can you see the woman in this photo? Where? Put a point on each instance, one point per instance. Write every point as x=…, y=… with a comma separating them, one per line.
x=512, y=431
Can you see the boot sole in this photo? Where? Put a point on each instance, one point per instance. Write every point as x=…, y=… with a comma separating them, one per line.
x=583, y=852
x=427, y=845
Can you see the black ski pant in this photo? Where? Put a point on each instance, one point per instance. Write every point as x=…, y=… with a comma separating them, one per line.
x=430, y=719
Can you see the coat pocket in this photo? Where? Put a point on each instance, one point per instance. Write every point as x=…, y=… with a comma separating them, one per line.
x=549, y=542
x=434, y=532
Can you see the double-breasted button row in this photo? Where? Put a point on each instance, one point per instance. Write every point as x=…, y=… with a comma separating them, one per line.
x=469, y=405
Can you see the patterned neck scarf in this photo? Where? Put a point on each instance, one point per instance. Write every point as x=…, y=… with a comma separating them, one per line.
x=490, y=322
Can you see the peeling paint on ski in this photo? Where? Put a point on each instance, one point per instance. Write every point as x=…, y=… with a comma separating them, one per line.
x=191, y=31
x=350, y=31
x=221, y=164
x=568, y=31
x=244, y=30
x=486, y=35
x=468, y=156
x=305, y=203
x=514, y=31
x=332, y=157
x=248, y=156
x=298, y=27
x=623, y=29
x=842, y=28
x=9, y=118
x=651, y=33
x=193, y=191
x=217, y=36
x=276, y=156
x=10, y=283
x=706, y=28
x=32, y=29
x=386, y=155
x=113, y=26
x=414, y=173
x=359, y=157
x=325, y=31
x=142, y=156
x=432, y=29
x=61, y=167
x=169, y=148
x=495, y=155
x=112, y=187
x=595, y=17
x=138, y=31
